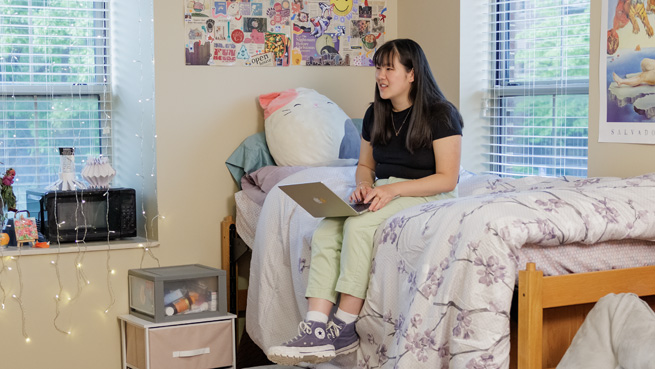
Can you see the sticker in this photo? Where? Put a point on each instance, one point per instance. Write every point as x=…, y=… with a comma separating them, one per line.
x=237, y=36
x=262, y=60
x=243, y=53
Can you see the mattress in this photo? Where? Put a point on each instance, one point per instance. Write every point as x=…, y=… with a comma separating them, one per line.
x=551, y=260
x=579, y=258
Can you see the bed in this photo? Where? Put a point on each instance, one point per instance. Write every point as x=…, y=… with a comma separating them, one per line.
x=444, y=276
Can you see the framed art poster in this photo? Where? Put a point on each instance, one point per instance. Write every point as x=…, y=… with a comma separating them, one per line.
x=25, y=230
x=627, y=72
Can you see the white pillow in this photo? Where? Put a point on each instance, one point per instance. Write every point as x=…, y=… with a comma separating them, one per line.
x=306, y=128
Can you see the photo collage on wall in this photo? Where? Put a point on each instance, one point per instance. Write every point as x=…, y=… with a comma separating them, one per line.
x=280, y=33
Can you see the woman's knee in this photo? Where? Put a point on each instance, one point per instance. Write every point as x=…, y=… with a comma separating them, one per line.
x=359, y=225
x=328, y=230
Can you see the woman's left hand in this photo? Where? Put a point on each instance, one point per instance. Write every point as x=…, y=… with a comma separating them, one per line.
x=380, y=196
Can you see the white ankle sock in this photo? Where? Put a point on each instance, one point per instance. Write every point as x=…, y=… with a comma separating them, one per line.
x=345, y=317
x=316, y=316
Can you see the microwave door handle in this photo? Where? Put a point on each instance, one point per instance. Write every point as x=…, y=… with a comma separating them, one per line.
x=84, y=226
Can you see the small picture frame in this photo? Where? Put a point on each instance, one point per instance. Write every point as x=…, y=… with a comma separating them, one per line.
x=25, y=229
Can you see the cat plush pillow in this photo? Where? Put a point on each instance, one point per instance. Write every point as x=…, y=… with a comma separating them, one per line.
x=305, y=128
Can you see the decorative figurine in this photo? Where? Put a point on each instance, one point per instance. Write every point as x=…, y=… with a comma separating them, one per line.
x=98, y=172
x=67, y=179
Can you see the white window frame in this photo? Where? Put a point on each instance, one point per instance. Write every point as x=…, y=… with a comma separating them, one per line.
x=98, y=87
x=500, y=156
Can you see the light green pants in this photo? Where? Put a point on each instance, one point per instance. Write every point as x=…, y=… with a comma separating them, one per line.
x=342, y=248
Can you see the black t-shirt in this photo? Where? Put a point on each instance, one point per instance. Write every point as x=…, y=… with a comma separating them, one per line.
x=394, y=159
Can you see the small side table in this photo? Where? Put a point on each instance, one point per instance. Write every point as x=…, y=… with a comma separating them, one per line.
x=190, y=344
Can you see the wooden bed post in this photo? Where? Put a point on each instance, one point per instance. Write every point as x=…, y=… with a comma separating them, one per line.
x=530, y=330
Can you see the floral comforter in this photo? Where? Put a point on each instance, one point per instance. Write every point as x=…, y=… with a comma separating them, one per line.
x=444, y=273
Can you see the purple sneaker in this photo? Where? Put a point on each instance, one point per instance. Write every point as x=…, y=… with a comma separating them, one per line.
x=343, y=336
x=311, y=345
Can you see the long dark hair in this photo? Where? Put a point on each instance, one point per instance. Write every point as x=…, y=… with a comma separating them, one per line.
x=425, y=95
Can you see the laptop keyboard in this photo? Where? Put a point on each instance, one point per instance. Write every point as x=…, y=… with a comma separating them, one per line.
x=360, y=206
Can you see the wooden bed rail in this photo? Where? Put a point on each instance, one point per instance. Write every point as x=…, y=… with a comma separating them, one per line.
x=577, y=291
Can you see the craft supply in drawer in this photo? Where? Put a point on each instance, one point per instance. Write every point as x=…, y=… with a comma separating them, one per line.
x=177, y=293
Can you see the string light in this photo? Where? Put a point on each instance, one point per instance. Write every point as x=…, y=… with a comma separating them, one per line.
x=141, y=137
x=110, y=271
x=18, y=297
x=55, y=263
x=2, y=269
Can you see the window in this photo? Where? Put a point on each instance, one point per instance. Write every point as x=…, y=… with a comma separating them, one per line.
x=538, y=97
x=54, y=87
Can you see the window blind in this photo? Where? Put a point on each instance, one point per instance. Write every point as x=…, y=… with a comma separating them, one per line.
x=538, y=97
x=54, y=87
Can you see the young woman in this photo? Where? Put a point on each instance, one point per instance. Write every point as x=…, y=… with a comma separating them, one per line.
x=410, y=155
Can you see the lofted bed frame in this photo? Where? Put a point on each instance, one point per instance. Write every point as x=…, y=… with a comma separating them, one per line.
x=550, y=309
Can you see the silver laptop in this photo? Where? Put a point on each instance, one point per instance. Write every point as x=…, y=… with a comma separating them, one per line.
x=320, y=201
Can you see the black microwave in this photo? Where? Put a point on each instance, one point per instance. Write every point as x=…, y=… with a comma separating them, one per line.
x=84, y=215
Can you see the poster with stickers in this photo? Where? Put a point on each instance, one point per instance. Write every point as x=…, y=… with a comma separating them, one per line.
x=337, y=32
x=283, y=32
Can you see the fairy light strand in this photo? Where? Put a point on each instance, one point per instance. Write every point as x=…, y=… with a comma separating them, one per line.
x=58, y=272
x=82, y=280
x=18, y=297
x=58, y=296
x=56, y=262
x=3, y=267
x=147, y=249
x=110, y=271
x=154, y=141
x=110, y=289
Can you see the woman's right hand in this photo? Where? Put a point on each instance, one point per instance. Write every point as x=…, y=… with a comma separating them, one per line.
x=363, y=188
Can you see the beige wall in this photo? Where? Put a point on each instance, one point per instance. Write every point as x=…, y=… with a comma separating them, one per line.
x=435, y=26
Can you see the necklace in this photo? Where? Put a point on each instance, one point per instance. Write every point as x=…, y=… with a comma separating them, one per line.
x=404, y=120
